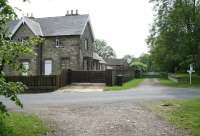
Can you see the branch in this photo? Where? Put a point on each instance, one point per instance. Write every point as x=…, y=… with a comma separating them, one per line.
x=2, y=66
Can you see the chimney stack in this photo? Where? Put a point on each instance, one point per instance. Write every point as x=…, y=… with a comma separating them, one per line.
x=72, y=13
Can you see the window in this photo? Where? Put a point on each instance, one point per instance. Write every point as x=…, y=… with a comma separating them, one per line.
x=22, y=39
x=58, y=43
x=86, y=44
x=65, y=63
x=26, y=68
x=48, y=67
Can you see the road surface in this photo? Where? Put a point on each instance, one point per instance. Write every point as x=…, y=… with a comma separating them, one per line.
x=117, y=113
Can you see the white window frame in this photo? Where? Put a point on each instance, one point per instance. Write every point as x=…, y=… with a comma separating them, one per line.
x=57, y=43
x=48, y=65
x=26, y=65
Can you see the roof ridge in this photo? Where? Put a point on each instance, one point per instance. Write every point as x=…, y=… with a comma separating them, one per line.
x=61, y=16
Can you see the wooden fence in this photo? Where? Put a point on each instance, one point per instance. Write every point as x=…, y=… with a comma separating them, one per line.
x=88, y=76
x=37, y=83
x=42, y=83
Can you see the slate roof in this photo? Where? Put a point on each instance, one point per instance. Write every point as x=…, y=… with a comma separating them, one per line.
x=102, y=61
x=97, y=57
x=114, y=62
x=34, y=26
x=55, y=26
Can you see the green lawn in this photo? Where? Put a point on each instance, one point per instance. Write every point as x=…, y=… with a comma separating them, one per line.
x=184, y=81
x=21, y=124
x=131, y=84
x=183, y=113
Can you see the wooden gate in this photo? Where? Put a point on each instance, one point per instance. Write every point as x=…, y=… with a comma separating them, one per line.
x=88, y=76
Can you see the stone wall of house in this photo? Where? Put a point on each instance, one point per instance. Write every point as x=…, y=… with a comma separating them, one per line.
x=69, y=48
x=24, y=32
x=87, y=35
x=72, y=47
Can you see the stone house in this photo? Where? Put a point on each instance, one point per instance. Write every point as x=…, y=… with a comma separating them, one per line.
x=68, y=44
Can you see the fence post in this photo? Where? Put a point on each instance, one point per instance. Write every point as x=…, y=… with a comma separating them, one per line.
x=109, y=77
x=69, y=76
x=58, y=81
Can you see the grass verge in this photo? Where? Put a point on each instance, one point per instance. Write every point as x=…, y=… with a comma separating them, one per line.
x=183, y=81
x=183, y=113
x=21, y=124
x=130, y=84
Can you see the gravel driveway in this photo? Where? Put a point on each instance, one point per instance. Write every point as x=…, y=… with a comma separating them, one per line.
x=119, y=113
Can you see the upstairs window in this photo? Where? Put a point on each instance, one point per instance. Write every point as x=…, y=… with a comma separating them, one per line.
x=58, y=43
x=86, y=44
x=22, y=39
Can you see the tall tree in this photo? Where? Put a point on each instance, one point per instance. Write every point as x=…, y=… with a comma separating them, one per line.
x=175, y=40
x=128, y=58
x=10, y=53
x=103, y=50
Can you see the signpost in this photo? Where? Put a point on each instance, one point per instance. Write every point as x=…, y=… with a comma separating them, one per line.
x=190, y=71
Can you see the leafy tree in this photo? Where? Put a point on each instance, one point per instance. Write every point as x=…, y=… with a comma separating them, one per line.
x=147, y=59
x=137, y=65
x=128, y=58
x=103, y=50
x=174, y=40
x=10, y=53
x=142, y=63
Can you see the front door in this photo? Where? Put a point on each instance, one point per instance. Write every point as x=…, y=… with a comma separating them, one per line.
x=48, y=67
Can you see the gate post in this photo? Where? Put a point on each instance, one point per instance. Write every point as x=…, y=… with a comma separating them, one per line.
x=109, y=77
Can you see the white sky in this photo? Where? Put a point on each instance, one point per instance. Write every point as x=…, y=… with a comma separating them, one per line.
x=123, y=24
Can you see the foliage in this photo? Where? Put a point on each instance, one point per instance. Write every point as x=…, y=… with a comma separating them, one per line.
x=130, y=84
x=103, y=50
x=174, y=39
x=183, y=113
x=147, y=60
x=137, y=65
x=128, y=58
x=10, y=54
x=21, y=124
x=6, y=14
x=144, y=62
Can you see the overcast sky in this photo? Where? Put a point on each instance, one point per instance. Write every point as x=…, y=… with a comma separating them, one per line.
x=123, y=24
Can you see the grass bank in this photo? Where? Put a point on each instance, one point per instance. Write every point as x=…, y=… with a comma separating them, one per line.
x=183, y=113
x=183, y=81
x=21, y=124
x=131, y=84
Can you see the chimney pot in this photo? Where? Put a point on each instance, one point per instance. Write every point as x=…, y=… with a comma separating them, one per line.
x=67, y=14
x=77, y=12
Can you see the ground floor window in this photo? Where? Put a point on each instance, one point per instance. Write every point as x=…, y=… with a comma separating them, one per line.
x=65, y=63
x=25, y=68
x=48, y=67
